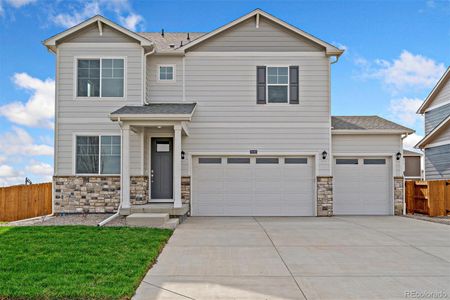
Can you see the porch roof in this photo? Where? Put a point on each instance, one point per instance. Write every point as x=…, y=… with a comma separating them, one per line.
x=155, y=111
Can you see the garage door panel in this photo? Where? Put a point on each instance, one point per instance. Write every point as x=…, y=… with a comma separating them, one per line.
x=254, y=189
x=362, y=188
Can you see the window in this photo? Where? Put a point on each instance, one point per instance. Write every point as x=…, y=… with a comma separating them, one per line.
x=97, y=154
x=163, y=146
x=266, y=160
x=347, y=161
x=277, y=84
x=209, y=160
x=238, y=160
x=374, y=161
x=166, y=73
x=295, y=160
x=100, y=78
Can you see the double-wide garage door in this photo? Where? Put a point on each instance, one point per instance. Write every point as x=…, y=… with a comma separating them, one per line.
x=253, y=186
x=362, y=186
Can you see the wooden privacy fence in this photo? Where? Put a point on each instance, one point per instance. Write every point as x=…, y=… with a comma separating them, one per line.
x=25, y=201
x=431, y=197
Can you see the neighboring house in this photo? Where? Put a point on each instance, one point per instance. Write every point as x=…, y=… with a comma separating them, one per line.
x=436, y=143
x=413, y=164
x=234, y=122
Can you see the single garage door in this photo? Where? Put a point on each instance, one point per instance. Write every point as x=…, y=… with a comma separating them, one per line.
x=253, y=186
x=362, y=186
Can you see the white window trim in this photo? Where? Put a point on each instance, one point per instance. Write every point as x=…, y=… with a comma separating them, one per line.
x=74, y=153
x=277, y=84
x=158, y=78
x=75, y=77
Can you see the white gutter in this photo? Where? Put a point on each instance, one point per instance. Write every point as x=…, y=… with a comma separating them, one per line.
x=110, y=218
x=144, y=77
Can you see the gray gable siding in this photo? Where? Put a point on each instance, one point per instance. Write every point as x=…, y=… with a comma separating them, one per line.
x=437, y=162
x=268, y=37
x=443, y=95
x=90, y=34
x=436, y=116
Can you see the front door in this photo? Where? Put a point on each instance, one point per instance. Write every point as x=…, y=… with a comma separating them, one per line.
x=161, y=175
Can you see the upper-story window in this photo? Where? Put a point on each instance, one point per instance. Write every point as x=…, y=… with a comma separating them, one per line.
x=277, y=84
x=100, y=77
x=166, y=73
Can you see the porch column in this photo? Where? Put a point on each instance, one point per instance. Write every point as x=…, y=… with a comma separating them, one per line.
x=177, y=166
x=125, y=174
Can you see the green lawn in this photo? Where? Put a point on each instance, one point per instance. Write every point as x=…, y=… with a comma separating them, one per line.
x=76, y=262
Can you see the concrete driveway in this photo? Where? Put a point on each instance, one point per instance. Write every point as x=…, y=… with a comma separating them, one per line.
x=302, y=258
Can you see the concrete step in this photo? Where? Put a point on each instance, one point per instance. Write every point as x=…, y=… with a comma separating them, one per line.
x=160, y=208
x=147, y=219
x=171, y=224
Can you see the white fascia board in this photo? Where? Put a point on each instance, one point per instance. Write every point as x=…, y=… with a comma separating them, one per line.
x=430, y=136
x=434, y=92
x=362, y=131
x=330, y=49
x=51, y=42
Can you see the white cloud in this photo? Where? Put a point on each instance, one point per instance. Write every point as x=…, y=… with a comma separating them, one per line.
x=75, y=17
x=6, y=171
x=19, y=3
x=40, y=169
x=404, y=110
x=38, y=111
x=131, y=21
x=18, y=142
x=411, y=140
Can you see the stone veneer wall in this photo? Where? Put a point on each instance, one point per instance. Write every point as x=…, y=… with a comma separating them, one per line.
x=95, y=194
x=399, y=188
x=324, y=196
x=186, y=189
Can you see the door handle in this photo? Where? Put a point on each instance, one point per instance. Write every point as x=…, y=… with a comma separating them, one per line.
x=152, y=175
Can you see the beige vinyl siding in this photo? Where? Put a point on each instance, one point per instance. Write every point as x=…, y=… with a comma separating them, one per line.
x=85, y=116
x=268, y=37
x=370, y=143
x=164, y=91
x=91, y=34
x=443, y=96
x=443, y=136
x=228, y=120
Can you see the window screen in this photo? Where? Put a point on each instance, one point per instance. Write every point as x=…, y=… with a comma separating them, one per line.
x=112, y=77
x=277, y=84
x=110, y=155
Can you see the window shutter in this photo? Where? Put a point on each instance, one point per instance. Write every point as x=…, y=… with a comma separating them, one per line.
x=260, y=85
x=293, y=85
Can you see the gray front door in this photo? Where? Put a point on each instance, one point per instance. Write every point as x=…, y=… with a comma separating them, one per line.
x=162, y=167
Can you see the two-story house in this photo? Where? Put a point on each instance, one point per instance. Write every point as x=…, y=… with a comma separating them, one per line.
x=436, y=143
x=233, y=122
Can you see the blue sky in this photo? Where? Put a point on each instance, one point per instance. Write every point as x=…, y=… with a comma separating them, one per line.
x=396, y=52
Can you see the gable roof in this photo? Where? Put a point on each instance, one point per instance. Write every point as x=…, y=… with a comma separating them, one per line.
x=429, y=137
x=51, y=42
x=362, y=124
x=407, y=152
x=444, y=79
x=329, y=49
x=170, y=111
x=162, y=43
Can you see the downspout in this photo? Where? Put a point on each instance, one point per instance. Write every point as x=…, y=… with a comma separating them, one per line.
x=110, y=218
x=145, y=73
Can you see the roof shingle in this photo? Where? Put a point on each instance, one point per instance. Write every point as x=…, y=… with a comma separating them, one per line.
x=162, y=43
x=365, y=123
x=157, y=109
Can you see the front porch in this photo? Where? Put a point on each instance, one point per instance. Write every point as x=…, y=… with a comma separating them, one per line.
x=161, y=187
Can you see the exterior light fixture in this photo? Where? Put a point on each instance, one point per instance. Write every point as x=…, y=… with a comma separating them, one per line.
x=398, y=155
x=182, y=154
x=324, y=154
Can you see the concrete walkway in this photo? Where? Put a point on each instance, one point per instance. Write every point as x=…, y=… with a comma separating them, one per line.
x=302, y=258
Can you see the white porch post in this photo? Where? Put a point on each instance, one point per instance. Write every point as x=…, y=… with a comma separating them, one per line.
x=125, y=174
x=177, y=166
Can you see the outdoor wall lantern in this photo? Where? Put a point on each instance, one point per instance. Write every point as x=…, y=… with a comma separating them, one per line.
x=182, y=154
x=398, y=155
x=324, y=154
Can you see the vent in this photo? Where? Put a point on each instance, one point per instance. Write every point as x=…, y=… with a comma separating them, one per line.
x=172, y=46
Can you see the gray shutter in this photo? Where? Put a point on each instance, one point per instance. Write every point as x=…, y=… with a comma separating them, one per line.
x=260, y=85
x=293, y=85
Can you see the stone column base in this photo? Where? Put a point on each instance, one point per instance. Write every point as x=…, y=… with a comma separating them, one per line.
x=186, y=189
x=399, y=189
x=324, y=196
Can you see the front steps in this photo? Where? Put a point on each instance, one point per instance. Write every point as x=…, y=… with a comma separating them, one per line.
x=155, y=220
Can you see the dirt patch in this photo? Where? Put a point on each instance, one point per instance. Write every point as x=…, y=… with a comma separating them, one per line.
x=70, y=219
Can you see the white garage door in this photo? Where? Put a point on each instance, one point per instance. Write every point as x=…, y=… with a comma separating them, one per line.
x=250, y=186
x=362, y=186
